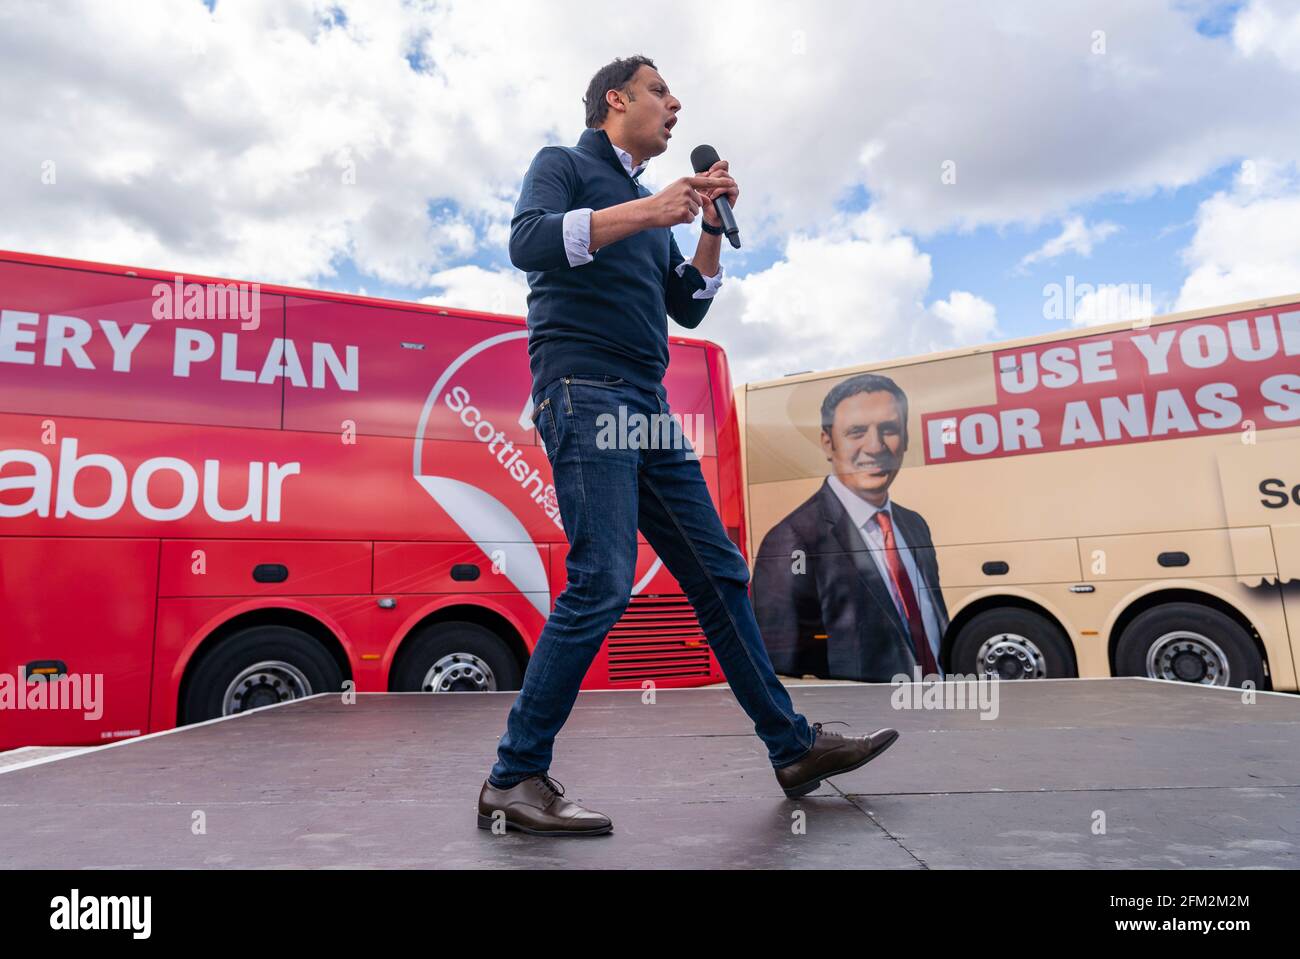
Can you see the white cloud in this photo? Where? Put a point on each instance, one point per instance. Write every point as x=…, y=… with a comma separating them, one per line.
x=1076, y=236
x=970, y=318
x=1266, y=27
x=475, y=288
x=257, y=141
x=1246, y=245
x=850, y=294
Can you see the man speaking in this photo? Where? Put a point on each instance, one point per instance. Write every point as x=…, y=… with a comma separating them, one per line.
x=603, y=270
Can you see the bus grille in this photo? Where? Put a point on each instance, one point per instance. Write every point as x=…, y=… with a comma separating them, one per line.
x=658, y=638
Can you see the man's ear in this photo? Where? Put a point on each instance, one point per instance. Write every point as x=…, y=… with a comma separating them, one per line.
x=617, y=102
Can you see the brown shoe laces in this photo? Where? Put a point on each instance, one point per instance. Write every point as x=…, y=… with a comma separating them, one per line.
x=826, y=732
x=554, y=787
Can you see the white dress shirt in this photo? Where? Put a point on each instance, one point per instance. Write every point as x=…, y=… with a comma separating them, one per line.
x=577, y=234
x=863, y=516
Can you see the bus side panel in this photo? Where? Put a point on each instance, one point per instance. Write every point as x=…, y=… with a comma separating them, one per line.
x=402, y=356
x=198, y=371
x=299, y=485
x=441, y=568
x=102, y=634
x=1075, y=613
x=690, y=388
x=1290, y=593
x=730, y=464
x=231, y=567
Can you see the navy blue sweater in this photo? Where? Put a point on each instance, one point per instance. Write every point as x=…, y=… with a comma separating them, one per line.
x=606, y=316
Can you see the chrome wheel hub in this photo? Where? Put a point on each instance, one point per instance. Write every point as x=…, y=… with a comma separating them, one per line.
x=1187, y=657
x=459, y=673
x=1011, y=656
x=264, y=684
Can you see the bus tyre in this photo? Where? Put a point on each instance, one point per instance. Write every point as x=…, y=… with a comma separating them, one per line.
x=455, y=658
x=1012, y=643
x=258, y=666
x=1190, y=643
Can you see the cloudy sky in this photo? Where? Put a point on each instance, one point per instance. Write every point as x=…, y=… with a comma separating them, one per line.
x=915, y=175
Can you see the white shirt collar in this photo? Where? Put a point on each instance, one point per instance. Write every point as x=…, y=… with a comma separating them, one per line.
x=859, y=510
x=626, y=158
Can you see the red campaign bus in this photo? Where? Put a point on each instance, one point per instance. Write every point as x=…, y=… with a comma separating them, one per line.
x=216, y=496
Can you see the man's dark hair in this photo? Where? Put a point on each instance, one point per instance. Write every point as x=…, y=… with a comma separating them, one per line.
x=612, y=76
x=862, y=383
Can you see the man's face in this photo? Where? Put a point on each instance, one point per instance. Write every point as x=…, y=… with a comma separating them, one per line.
x=651, y=113
x=867, y=442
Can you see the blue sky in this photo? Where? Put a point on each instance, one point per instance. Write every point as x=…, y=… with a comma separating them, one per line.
x=1147, y=249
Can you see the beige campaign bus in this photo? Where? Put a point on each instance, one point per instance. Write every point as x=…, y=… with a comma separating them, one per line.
x=1111, y=500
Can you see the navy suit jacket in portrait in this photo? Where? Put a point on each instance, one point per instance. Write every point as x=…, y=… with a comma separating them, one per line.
x=839, y=593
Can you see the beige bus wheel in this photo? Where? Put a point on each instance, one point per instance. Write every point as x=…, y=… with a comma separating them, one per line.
x=1011, y=643
x=1189, y=643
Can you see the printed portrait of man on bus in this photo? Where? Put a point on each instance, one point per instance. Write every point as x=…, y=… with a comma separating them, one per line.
x=847, y=585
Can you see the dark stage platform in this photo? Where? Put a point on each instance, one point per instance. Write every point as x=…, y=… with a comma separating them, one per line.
x=1185, y=776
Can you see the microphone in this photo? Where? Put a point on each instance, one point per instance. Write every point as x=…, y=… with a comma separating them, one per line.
x=702, y=159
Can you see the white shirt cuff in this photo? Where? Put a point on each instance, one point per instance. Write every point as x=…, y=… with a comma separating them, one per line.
x=711, y=283
x=577, y=236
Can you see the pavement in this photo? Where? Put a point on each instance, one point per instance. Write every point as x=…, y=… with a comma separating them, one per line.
x=1104, y=774
x=25, y=754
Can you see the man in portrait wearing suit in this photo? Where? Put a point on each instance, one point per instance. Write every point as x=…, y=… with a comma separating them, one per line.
x=847, y=585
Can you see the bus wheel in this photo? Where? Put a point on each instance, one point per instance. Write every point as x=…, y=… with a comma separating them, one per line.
x=258, y=666
x=1012, y=643
x=1189, y=643
x=455, y=658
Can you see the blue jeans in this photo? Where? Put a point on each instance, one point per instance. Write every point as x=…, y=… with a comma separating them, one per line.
x=606, y=492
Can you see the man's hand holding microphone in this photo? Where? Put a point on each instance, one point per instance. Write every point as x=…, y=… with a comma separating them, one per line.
x=682, y=200
x=679, y=202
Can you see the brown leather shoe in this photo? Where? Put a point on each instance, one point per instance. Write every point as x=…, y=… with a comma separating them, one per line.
x=831, y=754
x=537, y=806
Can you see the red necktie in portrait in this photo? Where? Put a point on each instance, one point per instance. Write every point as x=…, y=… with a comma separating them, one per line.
x=903, y=582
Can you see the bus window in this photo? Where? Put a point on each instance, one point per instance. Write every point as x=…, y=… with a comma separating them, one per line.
x=89, y=344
